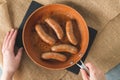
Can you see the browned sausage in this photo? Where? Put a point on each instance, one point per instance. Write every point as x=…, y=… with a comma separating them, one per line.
x=65, y=48
x=54, y=55
x=70, y=33
x=44, y=36
x=56, y=27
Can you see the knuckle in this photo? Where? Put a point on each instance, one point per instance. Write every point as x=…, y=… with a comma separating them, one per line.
x=3, y=50
x=7, y=50
x=94, y=72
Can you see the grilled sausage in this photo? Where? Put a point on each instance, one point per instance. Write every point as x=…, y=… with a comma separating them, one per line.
x=54, y=55
x=56, y=27
x=70, y=33
x=65, y=48
x=44, y=36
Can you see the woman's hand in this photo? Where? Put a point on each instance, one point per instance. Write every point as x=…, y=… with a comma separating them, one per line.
x=95, y=73
x=10, y=60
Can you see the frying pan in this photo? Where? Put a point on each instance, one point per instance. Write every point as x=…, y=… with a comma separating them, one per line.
x=34, y=46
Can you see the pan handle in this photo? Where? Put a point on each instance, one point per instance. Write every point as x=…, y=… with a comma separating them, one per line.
x=82, y=66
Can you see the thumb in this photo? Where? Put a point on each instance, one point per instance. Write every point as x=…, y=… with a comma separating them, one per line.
x=19, y=54
x=84, y=74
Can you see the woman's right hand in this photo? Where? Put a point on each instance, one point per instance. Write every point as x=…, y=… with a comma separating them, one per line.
x=95, y=73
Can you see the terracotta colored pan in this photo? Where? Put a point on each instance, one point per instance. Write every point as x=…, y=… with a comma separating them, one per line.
x=33, y=44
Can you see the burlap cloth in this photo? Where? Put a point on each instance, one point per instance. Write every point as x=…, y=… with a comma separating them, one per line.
x=102, y=15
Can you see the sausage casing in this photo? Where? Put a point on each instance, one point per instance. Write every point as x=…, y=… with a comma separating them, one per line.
x=54, y=55
x=65, y=48
x=56, y=27
x=44, y=36
x=70, y=33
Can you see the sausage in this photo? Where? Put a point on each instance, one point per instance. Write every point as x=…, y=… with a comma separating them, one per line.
x=54, y=55
x=44, y=36
x=65, y=48
x=56, y=27
x=70, y=33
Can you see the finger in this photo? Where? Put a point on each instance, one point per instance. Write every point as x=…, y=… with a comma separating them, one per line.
x=84, y=74
x=9, y=37
x=19, y=54
x=4, y=41
x=92, y=69
x=90, y=66
x=12, y=40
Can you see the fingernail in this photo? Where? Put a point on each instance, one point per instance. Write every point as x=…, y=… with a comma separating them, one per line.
x=12, y=29
x=15, y=30
x=21, y=47
x=8, y=32
x=81, y=69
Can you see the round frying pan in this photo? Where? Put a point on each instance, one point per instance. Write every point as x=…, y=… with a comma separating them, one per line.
x=34, y=46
